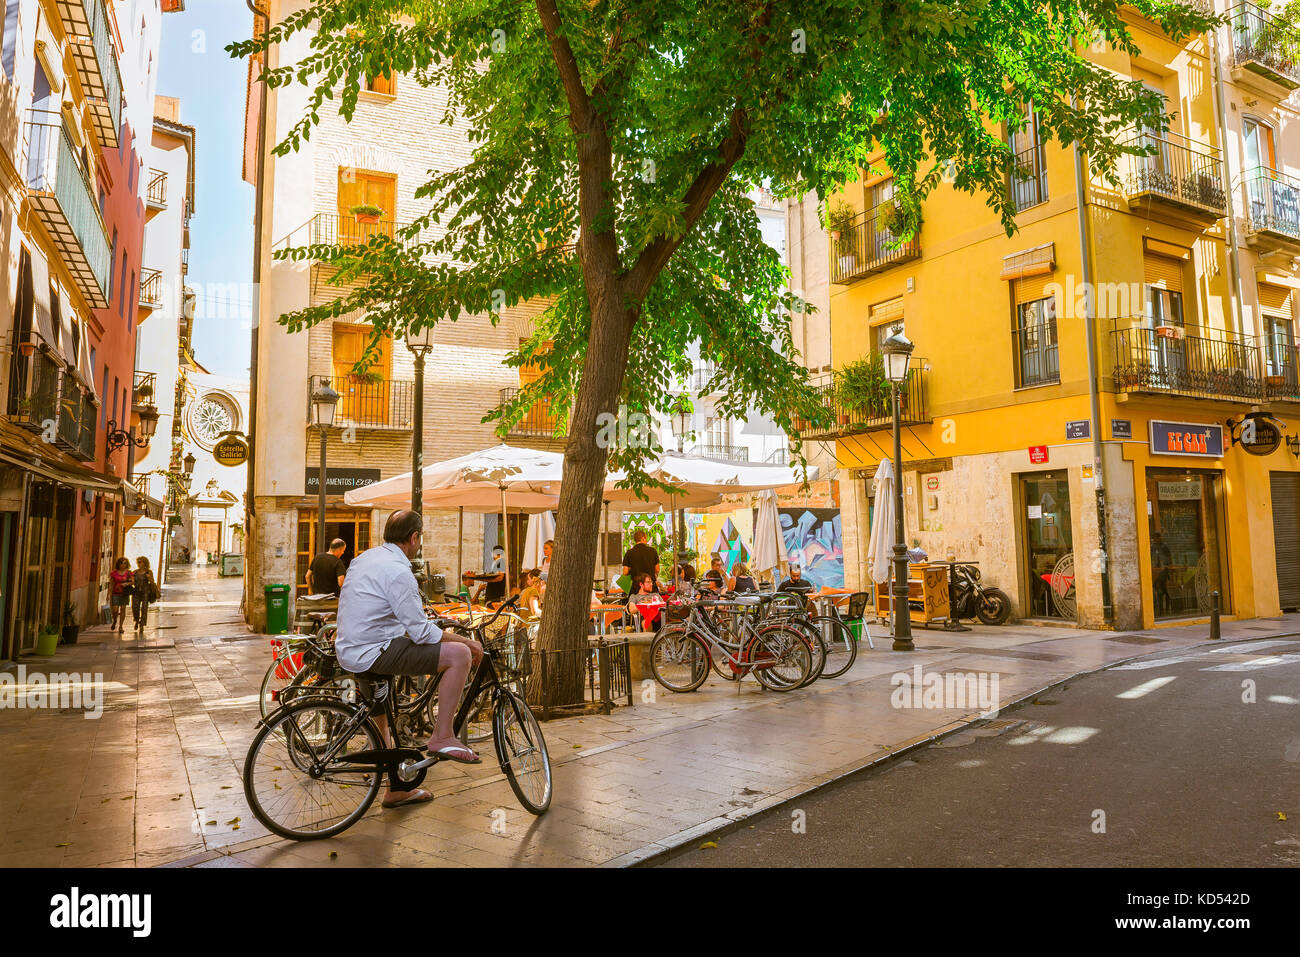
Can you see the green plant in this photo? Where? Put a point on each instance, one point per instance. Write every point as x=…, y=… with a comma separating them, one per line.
x=861, y=387
x=49, y=629
x=366, y=209
x=901, y=218
x=69, y=613
x=840, y=218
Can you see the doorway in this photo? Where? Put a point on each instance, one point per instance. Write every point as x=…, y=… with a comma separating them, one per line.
x=1183, y=515
x=209, y=539
x=1048, y=543
x=1285, y=488
x=352, y=527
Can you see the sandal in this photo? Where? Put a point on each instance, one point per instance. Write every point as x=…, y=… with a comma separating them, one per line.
x=453, y=752
x=418, y=796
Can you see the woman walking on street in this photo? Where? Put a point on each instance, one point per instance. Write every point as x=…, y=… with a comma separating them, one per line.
x=120, y=591
x=144, y=590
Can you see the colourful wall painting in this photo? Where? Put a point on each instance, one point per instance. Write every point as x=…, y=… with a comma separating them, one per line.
x=813, y=541
x=655, y=525
x=728, y=534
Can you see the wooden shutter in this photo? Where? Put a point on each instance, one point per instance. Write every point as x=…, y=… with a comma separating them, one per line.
x=1275, y=299
x=891, y=311
x=1032, y=288
x=359, y=401
x=1286, y=536
x=358, y=187
x=1163, y=271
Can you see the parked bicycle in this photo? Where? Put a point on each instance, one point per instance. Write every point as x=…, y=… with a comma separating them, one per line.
x=317, y=764
x=692, y=641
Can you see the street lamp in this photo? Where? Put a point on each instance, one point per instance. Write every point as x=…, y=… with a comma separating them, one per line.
x=680, y=419
x=897, y=353
x=419, y=340
x=116, y=437
x=323, y=403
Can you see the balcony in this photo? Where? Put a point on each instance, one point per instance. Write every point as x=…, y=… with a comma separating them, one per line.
x=330, y=229
x=1261, y=50
x=185, y=261
x=59, y=189
x=145, y=391
x=1272, y=210
x=151, y=289
x=1179, y=175
x=722, y=453
x=864, y=249
x=380, y=404
x=156, y=191
x=852, y=421
x=699, y=383
x=1029, y=182
x=34, y=392
x=538, y=421
x=1282, y=372
x=86, y=24
x=1210, y=364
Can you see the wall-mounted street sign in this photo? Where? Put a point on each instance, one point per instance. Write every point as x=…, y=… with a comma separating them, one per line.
x=1038, y=454
x=1186, y=438
x=230, y=450
x=1258, y=434
x=1121, y=429
x=1079, y=429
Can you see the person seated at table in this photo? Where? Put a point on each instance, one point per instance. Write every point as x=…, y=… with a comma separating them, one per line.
x=643, y=586
x=716, y=577
x=683, y=583
x=796, y=582
x=494, y=579
x=742, y=582
x=530, y=599
x=548, y=547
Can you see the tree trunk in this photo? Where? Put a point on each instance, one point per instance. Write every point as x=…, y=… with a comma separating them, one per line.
x=577, y=524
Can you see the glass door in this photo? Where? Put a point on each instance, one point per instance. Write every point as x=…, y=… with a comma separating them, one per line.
x=1048, y=560
x=1186, y=542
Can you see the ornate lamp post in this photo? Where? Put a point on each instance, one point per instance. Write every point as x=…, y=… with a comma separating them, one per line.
x=323, y=403
x=897, y=353
x=419, y=341
x=115, y=437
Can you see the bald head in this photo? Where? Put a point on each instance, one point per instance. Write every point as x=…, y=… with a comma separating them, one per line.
x=402, y=526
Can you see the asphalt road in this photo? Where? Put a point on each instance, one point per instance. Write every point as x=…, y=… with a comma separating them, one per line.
x=1157, y=763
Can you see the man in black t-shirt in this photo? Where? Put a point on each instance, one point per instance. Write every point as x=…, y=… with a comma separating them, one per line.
x=325, y=576
x=641, y=557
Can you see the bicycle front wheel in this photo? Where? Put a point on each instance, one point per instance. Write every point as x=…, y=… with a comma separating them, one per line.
x=841, y=646
x=288, y=786
x=680, y=662
x=521, y=749
x=781, y=656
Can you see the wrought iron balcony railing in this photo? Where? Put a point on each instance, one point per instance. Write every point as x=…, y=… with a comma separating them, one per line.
x=722, y=453
x=145, y=391
x=1178, y=173
x=846, y=419
x=538, y=421
x=59, y=189
x=701, y=376
x=1272, y=208
x=34, y=385
x=1192, y=361
x=1029, y=181
x=1282, y=371
x=156, y=191
x=864, y=247
x=151, y=296
x=368, y=404
x=1265, y=44
x=330, y=229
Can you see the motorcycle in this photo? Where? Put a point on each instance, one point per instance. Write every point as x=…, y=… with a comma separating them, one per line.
x=990, y=605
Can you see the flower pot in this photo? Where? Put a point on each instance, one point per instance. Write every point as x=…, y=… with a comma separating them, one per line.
x=1275, y=381
x=1169, y=332
x=70, y=633
x=47, y=642
x=368, y=219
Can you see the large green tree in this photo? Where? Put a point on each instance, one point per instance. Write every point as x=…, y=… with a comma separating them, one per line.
x=615, y=143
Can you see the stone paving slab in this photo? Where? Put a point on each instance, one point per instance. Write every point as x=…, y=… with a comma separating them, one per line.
x=156, y=779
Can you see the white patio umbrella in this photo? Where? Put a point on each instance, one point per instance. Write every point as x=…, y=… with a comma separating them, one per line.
x=880, y=543
x=769, y=543
x=541, y=529
x=490, y=480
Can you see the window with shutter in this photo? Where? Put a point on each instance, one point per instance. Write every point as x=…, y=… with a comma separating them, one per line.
x=1033, y=334
x=882, y=318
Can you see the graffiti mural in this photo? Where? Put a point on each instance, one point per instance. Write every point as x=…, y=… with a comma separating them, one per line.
x=730, y=545
x=813, y=541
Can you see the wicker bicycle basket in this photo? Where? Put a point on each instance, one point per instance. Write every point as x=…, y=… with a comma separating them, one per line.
x=513, y=654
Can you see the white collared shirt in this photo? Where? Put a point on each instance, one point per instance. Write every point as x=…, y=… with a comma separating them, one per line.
x=380, y=601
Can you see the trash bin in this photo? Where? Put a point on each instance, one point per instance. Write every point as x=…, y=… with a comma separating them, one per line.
x=855, y=628
x=277, y=609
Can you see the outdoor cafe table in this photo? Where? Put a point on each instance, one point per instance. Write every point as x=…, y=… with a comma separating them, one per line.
x=603, y=615
x=827, y=598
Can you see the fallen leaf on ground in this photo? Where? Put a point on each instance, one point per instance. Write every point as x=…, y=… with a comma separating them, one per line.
x=333, y=854
x=709, y=844
x=1281, y=815
x=233, y=820
x=210, y=823
x=66, y=844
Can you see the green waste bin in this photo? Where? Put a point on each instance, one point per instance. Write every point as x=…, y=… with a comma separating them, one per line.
x=855, y=628
x=277, y=609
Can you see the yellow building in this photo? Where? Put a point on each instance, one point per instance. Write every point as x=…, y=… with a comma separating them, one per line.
x=1189, y=414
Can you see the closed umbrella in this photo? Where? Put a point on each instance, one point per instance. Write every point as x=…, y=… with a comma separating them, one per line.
x=880, y=544
x=769, y=543
x=541, y=529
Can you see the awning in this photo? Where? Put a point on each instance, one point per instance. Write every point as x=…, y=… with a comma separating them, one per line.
x=42, y=324
x=84, y=370
x=64, y=475
x=136, y=502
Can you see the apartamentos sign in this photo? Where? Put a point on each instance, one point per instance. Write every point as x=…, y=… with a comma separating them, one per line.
x=1186, y=438
x=339, y=481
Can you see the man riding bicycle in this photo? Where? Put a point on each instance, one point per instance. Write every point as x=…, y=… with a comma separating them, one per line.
x=382, y=629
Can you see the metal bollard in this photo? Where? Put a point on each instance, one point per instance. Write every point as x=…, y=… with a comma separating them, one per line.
x=1215, y=634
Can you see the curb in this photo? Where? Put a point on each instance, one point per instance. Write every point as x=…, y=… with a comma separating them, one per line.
x=677, y=843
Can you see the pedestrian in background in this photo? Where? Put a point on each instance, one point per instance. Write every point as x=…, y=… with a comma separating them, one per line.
x=143, y=591
x=120, y=591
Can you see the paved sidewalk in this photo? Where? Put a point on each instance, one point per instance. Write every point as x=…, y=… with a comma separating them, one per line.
x=156, y=779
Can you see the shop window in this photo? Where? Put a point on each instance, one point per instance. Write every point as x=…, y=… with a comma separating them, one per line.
x=1187, y=553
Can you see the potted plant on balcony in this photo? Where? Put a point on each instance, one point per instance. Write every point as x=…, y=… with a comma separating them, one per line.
x=143, y=392
x=366, y=213
x=840, y=218
x=70, y=627
x=898, y=219
x=861, y=390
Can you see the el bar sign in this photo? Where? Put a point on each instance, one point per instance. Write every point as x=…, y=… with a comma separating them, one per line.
x=1186, y=438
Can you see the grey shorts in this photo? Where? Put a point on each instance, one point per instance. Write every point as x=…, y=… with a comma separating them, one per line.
x=405, y=657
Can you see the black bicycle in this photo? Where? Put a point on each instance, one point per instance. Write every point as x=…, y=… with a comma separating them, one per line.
x=316, y=765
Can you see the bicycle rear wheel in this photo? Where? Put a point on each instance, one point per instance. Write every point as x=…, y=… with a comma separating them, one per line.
x=521, y=749
x=841, y=646
x=282, y=671
x=680, y=662
x=781, y=656
x=285, y=788
x=816, y=646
